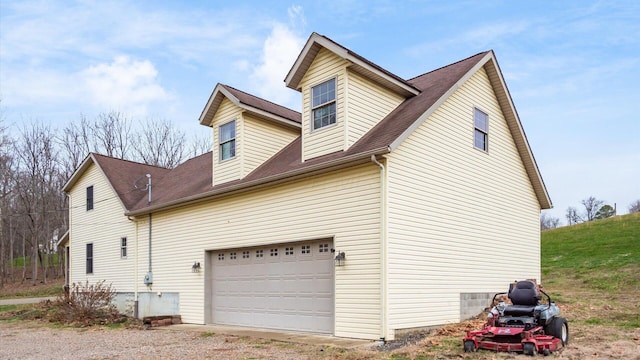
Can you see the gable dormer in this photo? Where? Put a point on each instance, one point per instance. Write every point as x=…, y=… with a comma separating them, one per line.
x=247, y=131
x=343, y=95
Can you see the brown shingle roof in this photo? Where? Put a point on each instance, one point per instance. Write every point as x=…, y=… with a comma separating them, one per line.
x=122, y=174
x=265, y=105
x=258, y=106
x=192, y=180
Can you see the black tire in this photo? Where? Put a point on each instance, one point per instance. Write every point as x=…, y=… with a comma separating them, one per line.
x=469, y=346
x=529, y=349
x=558, y=328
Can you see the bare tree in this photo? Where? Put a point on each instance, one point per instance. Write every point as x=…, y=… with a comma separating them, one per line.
x=548, y=222
x=634, y=206
x=6, y=176
x=160, y=144
x=37, y=186
x=573, y=217
x=591, y=207
x=76, y=141
x=112, y=132
x=200, y=144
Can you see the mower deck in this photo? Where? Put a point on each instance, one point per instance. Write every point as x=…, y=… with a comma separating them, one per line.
x=512, y=339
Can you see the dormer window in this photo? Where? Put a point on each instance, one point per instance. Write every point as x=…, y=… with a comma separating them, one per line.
x=323, y=104
x=227, y=134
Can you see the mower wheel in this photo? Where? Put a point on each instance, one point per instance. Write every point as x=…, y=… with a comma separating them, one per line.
x=529, y=349
x=558, y=328
x=469, y=346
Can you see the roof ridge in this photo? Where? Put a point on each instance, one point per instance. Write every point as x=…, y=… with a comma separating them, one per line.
x=129, y=161
x=261, y=98
x=452, y=64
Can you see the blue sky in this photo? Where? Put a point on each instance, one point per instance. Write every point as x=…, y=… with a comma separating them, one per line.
x=572, y=67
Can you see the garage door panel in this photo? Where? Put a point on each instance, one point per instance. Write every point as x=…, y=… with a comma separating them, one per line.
x=282, y=287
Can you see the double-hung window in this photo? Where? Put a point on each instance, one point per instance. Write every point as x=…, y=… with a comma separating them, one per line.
x=89, y=258
x=227, y=135
x=481, y=130
x=123, y=247
x=90, y=198
x=323, y=104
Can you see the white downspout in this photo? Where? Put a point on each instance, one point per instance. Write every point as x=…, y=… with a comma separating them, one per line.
x=135, y=277
x=383, y=248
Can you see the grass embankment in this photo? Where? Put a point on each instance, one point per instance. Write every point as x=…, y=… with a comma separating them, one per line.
x=28, y=290
x=594, y=269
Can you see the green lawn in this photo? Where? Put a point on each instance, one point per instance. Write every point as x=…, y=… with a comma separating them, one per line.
x=596, y=265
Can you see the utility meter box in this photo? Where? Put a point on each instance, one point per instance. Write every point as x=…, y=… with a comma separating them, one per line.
x=148, y=279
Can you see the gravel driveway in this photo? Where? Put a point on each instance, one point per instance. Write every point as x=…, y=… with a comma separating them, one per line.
x=23, y=342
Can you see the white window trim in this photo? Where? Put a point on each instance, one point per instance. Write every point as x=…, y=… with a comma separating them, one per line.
x=486, y=143
x=234, y=139
x=86, y=258
x=125, y=247
x=312, y=108
x=93, y=197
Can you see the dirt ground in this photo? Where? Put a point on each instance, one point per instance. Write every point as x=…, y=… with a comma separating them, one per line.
x=588, y=338
x=586, y=342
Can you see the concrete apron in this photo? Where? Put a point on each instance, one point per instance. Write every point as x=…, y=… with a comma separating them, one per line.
x=267, y=334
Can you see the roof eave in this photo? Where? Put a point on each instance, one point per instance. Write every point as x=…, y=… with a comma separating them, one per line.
x=212, y=107
x=78, y=172
x=517, y=131
x=323, y=167
x=310, y=50
x=490, y=64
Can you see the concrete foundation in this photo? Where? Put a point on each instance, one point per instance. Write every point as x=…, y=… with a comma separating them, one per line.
x=149, y=303
x=472, y=304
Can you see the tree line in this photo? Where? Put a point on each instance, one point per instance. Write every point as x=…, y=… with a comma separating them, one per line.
x=592, y=209
x=36, y=160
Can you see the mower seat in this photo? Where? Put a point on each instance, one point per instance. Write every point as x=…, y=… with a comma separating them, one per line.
x=524, y=296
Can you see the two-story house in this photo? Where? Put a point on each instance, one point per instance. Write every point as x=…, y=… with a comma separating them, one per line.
x=384, y=206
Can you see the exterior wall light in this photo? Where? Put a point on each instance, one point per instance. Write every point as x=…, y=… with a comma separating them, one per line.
x=195, y=267
x=339, y=259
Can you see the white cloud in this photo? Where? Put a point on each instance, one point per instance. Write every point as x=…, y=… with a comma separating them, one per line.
x=125, y=84
x=279, y=52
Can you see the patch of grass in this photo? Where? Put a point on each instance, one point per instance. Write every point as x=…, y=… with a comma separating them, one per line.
x=53, y=289
x=207, y=334
x=594, y=269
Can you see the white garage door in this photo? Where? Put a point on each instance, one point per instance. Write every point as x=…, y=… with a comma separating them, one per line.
x=287, y=287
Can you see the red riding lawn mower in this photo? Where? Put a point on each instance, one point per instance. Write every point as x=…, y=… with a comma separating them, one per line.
x=526, y=325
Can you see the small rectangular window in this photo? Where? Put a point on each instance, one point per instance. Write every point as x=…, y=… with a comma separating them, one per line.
x=220, y=257
x=323, y=104
x=227, y=135
x=323, y=248
x=288, y=251
x=89, y=258
x=123, y=247
x=273, y=252
x=259, y=253
x=232, y=256
x=305, y=249
x=90, y=197
x=245, y=255
x=481, y=132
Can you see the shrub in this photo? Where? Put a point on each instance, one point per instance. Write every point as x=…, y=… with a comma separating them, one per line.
x=86, y=304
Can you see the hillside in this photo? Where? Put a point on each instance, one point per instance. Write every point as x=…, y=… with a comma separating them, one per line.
x=594, y=268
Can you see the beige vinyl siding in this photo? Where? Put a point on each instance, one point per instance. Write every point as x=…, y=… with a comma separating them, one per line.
x=230, y=169
x=263, y=139
x=103, y=226
x=331, y=138
x=453, y=209
x=367, y=104
x=342, y=205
